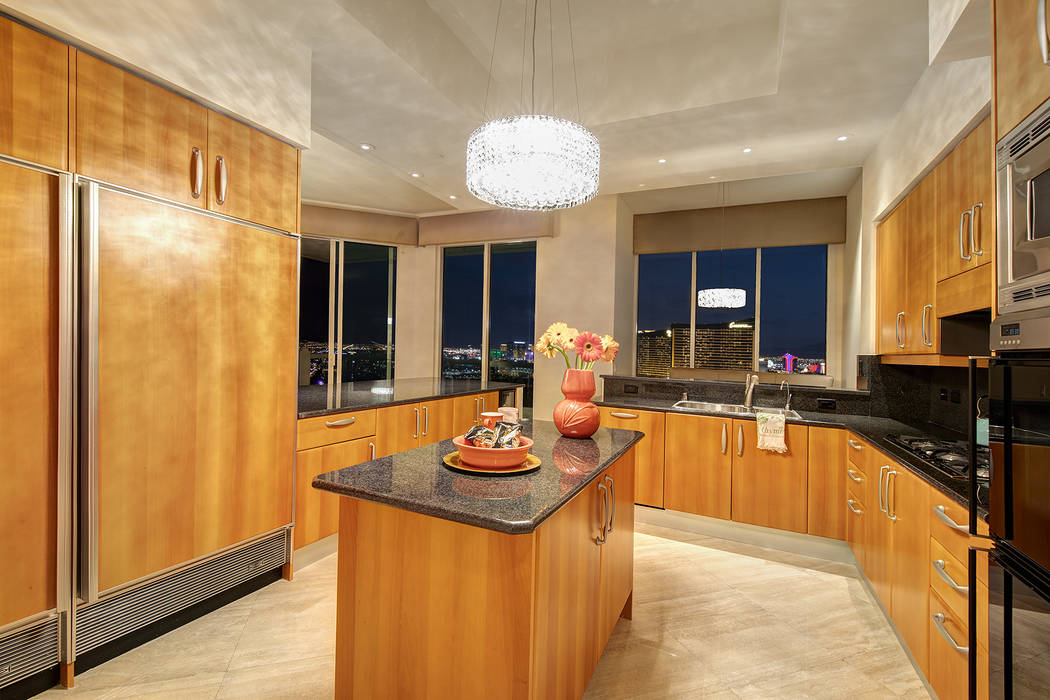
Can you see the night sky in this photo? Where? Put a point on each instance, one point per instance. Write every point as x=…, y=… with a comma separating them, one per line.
x=463, y=277
x=794, y=294
x=365, y=277
x=512, y=298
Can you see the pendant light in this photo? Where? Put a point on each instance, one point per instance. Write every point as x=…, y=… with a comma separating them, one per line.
x=533, y=161
x=721, y=297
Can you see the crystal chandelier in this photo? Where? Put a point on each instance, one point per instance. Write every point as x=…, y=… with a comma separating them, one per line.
x=721, y=297
x=533, y=161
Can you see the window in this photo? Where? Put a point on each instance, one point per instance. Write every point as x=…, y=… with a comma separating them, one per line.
x=780, y=328
x=358, y=344
x=498, y=345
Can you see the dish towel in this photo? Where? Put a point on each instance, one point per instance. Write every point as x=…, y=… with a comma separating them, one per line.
x=771, y=432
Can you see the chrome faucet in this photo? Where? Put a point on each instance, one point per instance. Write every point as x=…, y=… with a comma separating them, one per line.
x=749, y=389
x=786, y=385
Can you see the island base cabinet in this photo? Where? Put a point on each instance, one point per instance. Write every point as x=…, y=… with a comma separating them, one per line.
x=430, y=608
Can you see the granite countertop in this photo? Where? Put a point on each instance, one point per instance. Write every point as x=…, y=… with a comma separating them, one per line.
x=418, y=480
x=873, y=429
x=313, y=400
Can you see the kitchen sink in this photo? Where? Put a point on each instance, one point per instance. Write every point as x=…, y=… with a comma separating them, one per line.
x=709, y=407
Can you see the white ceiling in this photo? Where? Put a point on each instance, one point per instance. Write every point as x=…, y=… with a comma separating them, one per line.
x=691, y=81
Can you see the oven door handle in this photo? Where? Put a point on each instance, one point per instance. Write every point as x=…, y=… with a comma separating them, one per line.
x=1029, y=206
x=1044, y=40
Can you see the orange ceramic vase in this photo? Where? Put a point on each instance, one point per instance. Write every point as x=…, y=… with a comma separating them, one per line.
x=575, y=416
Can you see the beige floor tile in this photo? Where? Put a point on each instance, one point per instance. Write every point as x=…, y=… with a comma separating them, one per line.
x=304, y=678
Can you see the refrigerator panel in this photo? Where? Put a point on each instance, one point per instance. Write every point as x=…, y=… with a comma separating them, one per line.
x=1019, y=627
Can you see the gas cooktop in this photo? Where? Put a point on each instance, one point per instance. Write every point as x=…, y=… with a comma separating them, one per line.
x=951, y=457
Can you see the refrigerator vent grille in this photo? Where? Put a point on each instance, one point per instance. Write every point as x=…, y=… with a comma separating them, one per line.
x=28, y=651
x=125, y=612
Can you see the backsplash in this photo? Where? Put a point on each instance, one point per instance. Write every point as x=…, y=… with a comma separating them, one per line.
x=908, y=393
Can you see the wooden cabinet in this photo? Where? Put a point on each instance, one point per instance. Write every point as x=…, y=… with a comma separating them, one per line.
x=857, y=517
x=891, y=280
x=467, y=410
x=826, y=483
x=317, y=512
x=29, y=358
x=948, y=634
x=920, y=311
x=437, y=421
x=34, y=97
x=965, y=234
x=908, y=499
x=398, y=428
x=649, y=451
x=698, y=465
x=338, y=427
x=207, y=375
x=133, y=133
x=769, y=488
x=253, y=176
x=617, y=570
x=1022, y=78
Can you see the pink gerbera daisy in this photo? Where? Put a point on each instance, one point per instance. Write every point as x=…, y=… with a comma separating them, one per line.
x=588, y=346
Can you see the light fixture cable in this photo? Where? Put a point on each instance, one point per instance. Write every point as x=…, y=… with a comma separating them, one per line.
x=492, y=60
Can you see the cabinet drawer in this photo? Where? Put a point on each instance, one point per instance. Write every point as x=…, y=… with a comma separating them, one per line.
x=948, y=674
x=858, y=453
x=949, y=525
x=943, y=567
x=327, y=430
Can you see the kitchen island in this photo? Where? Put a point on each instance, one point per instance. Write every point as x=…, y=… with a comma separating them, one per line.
x=455, y=585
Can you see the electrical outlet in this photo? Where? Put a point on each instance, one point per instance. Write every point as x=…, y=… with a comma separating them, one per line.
x=956, y=396
x=630, y=388
x=826, y=404
x=944, y=394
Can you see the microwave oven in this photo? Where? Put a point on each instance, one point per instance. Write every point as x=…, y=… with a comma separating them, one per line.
x=1023, y=213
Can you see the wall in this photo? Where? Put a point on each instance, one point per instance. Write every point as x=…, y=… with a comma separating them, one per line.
x=585, y=277
x=852, y=301
x=264, y=77
x=416, y=329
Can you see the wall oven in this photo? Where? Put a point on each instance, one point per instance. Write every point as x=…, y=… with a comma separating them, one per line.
x=1023, y=211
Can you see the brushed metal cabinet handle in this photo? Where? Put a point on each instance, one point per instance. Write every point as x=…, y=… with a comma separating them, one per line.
x=882, y=482
x=482, y=407
x=612, y=500
x=938, y=565
x=372, y=447
x=853, y=475
x=416, y=411
x=891, y=511
x=849, y=504
x=220, y=196
x=927, y=328
x=973, y=215
x=897, y=329
x=198, y=173
x=855, y=445
x=477, y=411
x=339, y=423
x=962, y=218
x=739, y=440
x=603, y=510
x=938, y=620
x=943, y=516
x=426, y=420
x=616, y=414
x=725, y=438
x=1040, y=21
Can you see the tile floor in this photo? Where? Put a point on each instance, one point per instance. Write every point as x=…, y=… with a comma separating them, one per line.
x=713, y=618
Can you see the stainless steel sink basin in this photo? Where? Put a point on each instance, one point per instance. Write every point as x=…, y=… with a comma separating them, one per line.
x=709, y=407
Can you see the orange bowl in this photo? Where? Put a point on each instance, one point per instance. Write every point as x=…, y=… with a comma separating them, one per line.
x=492, y=457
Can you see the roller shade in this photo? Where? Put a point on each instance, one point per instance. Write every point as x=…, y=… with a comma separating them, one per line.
x=799, y=222
x=485, y=226
x=358, y=225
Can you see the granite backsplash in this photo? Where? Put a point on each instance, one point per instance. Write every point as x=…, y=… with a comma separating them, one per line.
x=909, y=394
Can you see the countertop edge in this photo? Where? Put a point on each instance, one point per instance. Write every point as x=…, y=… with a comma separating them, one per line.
x=505, y=527
x=503, y=386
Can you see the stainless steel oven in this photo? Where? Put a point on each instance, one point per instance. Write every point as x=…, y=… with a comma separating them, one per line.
x=1023, y=210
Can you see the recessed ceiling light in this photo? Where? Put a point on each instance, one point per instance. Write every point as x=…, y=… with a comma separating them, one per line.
x=842, y=138
x=662, y=160
x=416, y=174
x=712, y=177
x=452, y=196
x=641, y=184
x=747, y=149
x=367, y=147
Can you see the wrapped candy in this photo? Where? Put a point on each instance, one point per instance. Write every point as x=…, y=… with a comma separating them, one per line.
x=480, y=436
x=507, y=434
x=504, y=435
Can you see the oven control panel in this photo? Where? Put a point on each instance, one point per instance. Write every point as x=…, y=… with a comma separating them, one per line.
x=1028, y=330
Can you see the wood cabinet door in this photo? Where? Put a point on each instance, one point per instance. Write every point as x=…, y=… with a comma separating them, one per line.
x=981, y=147
x=196, y=384
x=857, y=516
x=133, y=133
x=617, y=571
x=1022, y=79
x=28, y=390
x=769, y=488
x=437, y=421
x=489, y=401
x=966, y=178
x=317, y=512
x=568, y=566
x=920, y=312
x=465, y=413
x=947, y=665
x=398, y=428
x=878, y=534
x=826, y=484
x=891, y=281
x=908, y=498
x=648, y=452
x=34, y=96
x=253, y=176
x=698, y=464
